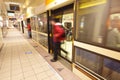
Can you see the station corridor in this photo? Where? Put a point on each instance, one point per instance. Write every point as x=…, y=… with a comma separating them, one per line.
x=19, y=60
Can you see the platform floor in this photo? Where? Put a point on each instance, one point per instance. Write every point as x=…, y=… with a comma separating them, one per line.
x=23, y=59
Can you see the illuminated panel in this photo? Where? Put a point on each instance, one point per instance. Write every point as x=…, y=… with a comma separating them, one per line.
x=11, y=14
x=90, y=3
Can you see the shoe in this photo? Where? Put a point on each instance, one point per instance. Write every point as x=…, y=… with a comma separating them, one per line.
x=52, y=60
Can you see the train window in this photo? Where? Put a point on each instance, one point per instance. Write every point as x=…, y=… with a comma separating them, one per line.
x=93, y=61
x=93, y=25
x=90, y=23
x=111, y=69
x=105, y=67
x=113, y=35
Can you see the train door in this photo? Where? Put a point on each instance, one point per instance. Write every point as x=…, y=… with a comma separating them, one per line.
x=65, y=16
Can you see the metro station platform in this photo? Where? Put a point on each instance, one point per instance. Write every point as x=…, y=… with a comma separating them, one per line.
x=23, y=59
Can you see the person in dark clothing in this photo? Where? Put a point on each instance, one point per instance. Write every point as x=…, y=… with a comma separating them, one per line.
x=29, y=30
x=57, y=38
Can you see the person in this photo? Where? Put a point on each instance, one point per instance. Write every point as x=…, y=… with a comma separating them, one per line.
x=113, y=37
x=57, y=37
x=29, y=30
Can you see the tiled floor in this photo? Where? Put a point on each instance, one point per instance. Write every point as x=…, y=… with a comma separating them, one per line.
x=20, y=61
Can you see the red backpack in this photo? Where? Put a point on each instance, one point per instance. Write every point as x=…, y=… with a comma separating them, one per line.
x=64, y=33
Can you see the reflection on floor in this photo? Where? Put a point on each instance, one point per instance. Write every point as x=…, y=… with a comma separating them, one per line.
x=67, y=45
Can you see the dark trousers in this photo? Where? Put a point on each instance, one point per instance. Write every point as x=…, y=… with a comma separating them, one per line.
x=56, y=49
x=29, y=34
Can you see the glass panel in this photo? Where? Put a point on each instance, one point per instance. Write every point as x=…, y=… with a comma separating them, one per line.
x=43, y=40
x=90, y=21
x=106, y=67
x=42, y=23
x=4, y=28
x=34, y=35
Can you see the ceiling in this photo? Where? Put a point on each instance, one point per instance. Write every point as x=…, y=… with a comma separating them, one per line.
x=28, y=4
x=24, y=4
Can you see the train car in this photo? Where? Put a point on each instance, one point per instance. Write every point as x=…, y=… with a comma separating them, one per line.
x=96, y=39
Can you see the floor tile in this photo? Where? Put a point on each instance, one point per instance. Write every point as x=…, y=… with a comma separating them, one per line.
x=4, y=75
x=5, y=78
x=41, y=75
x=38, y=70
x=18, y=77
x=31, y=78
x=16, y=72
x=25, y=64
x=28, y=73
x=27, y=68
